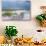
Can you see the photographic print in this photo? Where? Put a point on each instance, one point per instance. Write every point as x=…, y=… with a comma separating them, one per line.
x=16, y=10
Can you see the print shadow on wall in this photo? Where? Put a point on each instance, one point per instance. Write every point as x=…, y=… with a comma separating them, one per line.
x=16, y=10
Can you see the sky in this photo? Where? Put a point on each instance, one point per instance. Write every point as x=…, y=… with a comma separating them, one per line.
x=16, y=5
x=15, y=0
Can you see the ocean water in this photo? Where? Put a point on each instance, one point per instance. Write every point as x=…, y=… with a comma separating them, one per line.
x=19, y=9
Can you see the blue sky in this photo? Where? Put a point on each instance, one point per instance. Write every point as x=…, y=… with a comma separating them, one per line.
x=16, y=5
x=15, y=0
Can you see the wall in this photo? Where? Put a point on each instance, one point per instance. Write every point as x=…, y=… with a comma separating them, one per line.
x=25, y=27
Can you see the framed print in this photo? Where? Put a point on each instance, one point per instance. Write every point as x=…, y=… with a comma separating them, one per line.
x=16, y=10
